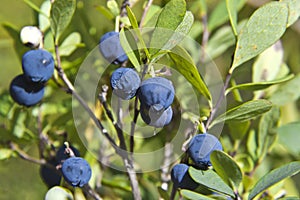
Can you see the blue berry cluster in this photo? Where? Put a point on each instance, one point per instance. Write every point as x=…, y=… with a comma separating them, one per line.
x=200, y=148
x=27, y=89
x=155, y=94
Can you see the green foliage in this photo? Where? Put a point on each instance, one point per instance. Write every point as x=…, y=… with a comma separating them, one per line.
x=259, y=130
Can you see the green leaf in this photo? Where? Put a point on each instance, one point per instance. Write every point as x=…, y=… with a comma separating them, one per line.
x=169, y=19
x=104, y=11
x=274, y=176
x=221, y=40
x=245, y=162
x=294, y=10
x=227, y=168
x=251, y=144
x=129, y=45
x=267, y=131
x=194, y=195
x=5, y=153
x=70, y=44
x=265, y=26
x=61, y=14
x=245, y=111
x=151, y=16
x=232, y=10
x=135, y=25
x=58, y=192
x=287, y=92
x=132, y=18
x=184, y=64
x=268, y=63
x=211, y=180
x=163, y=193
x=286, y=136
x=220, y=14
x=259, y=85
x=44, y=22
x=238, y=129
x=19, y=127
x=113, y=7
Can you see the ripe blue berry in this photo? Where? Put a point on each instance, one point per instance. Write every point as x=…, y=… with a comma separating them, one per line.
x=125, y=82
x=200, y=148
x=61, y=156
x=111, y=49
x=38, y=65
x=25, y=92
x=76, y=171
x=156, y=91
x=181, y=177
x=156, y=117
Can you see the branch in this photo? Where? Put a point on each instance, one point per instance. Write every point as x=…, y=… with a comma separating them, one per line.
x=146, y=9
x=221, y=98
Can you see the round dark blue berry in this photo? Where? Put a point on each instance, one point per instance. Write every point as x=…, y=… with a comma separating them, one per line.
x=156, y=91
x=76, y=171
x=181, y=177
x=200, y=148
x=156, y=117
x=25, y=92
x=125, y=82
x=111, y=49
x=38, y=65
x=61, y=156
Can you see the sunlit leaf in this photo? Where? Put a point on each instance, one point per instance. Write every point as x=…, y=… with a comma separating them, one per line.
x=265, y=26
x=61, y=14
x=211, y=180
x=184, y=64
x=245, y=111
x=194, y=195
x=227, y=168
x=274, y=176
x=70, y=44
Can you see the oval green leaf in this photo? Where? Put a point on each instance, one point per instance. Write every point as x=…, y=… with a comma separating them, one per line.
x=169, y=18
x=274, y=176
x=129, y=45
x=294, y=11
x=245, y=111
x=70, y=44
x=184, y=64
x=60, y=16
x=259, y=85
x=227, y=168
x=194, y=195
x=211, y=180
x=266, y=25
x=286, y=136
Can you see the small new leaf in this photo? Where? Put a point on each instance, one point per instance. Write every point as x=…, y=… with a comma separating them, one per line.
x=60, y=16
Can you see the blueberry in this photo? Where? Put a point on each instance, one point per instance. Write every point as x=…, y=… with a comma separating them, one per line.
x=38, y=65
x=61, y=156
x=125, y=82
x=156, y=91
x=181, y=177
x=111, y=49
x=50, y=175
x=156, y=117
x=76, y=171
x=200, y=148
x=25, y=92
x=31, y=36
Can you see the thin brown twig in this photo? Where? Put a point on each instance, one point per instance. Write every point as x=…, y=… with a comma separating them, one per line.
x=146, y=9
